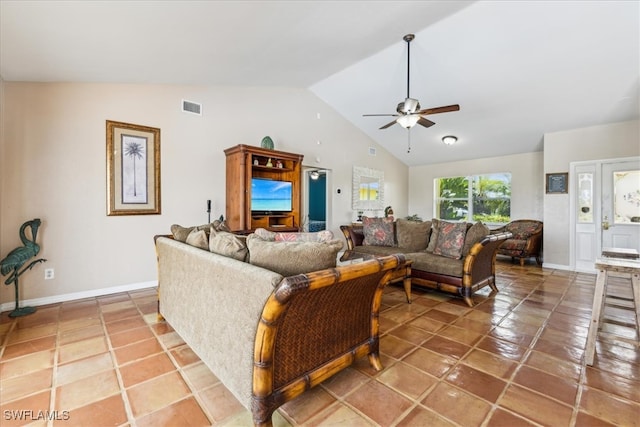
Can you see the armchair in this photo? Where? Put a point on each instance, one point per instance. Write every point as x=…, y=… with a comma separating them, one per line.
x=526, y=241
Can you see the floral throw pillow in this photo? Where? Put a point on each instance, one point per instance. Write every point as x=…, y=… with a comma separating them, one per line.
x=378, y=231
x=450, y=239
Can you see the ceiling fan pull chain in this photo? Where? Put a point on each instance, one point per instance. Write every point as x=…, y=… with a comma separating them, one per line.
x=408, y=140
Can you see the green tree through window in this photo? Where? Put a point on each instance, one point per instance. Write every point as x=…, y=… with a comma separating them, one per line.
x=485, y=198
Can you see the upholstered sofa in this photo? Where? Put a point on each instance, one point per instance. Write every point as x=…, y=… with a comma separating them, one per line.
x=266, y=335
x=526, y=241
x=458, y=258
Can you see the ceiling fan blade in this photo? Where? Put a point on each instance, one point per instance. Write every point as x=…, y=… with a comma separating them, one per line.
x=379, y=115
x=388, y=125
x=437, y=110
x=425, y=122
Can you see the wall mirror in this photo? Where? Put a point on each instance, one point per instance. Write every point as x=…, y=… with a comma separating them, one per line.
x=368, y=189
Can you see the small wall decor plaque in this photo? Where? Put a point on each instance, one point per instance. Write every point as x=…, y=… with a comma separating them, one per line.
x=557, y=183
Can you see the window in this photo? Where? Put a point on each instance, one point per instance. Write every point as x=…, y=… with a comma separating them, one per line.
x=485, y=198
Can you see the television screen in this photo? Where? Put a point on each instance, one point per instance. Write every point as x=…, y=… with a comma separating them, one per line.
x=270, y=195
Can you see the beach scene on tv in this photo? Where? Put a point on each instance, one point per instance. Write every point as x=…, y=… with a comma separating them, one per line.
x=269, y=195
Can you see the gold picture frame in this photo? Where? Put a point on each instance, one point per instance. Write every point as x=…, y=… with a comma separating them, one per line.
x=557, y=183
x=133, y=169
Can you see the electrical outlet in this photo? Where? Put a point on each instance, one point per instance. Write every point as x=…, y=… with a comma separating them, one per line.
x=48, y=274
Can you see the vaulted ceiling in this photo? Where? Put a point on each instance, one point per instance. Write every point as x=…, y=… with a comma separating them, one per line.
x=518, y=69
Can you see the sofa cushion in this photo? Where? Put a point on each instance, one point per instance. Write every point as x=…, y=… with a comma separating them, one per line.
x=436, y=264
x=290, y=258
x=180, y=233
x=228, y=244
x=378, y=231
x=475, y=233
x=198, y=238
x=412, y=235
x=433, y=237
x=513, y=247
x=450, y=239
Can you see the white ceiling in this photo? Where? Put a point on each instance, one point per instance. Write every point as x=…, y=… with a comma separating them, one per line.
x=518, y=69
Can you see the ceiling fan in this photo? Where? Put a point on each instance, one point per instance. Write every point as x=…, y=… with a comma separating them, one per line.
x=408, y=112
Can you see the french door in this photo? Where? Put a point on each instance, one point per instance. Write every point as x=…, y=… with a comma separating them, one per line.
x=605, y=208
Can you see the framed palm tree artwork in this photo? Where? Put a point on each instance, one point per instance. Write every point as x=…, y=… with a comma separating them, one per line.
x=133, y=169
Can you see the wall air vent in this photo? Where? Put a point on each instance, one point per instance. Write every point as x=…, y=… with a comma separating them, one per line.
x=191, y=107
x=372, y=151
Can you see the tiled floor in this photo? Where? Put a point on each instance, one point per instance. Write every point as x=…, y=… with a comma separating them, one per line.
x=514, y=359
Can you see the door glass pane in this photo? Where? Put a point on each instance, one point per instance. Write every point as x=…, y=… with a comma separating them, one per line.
x=626, y=193
x=585, y=197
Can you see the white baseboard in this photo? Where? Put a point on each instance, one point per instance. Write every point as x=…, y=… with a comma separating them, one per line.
x=78, y=295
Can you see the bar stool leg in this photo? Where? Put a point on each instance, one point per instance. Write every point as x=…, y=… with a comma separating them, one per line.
x=596, y=315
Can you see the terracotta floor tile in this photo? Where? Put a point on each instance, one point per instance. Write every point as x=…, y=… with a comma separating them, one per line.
x=339, y=414
x=430, y=362
x=199, y=376
x=490, y=363
x=502, y=418
x=131, y=336
x=428, y=324
x=379, y=402
x=424, y=417
x=604, y=381
x=82, y=349
x=548, y=385
x=20, y=412
x=76, y=370
x=125, y=313
x=184, y=355
x=440, y=316
x=407, y=379
x=554, y=366
x=18, y=335
x=138, y=350
x=26, y=364
x=307, y=405
x=220, y=402
x=28, y=347
x=109, y=412
x=171, y=340
x=559, y=350
x=117, y=306
x=535, y=407
x=447, y=401
x=502, y=348
x=584, y=419
x=610, y=408
x=146, y=369
x=186, y=412
x=446, y=347
x=411, y=334
x=151, y=396
x=395, y=347
x=125, y=324
x=344, y=382
x=461, y=335
x=87, y=390
x=476, y=382
x=20, y=386
x=81, y=333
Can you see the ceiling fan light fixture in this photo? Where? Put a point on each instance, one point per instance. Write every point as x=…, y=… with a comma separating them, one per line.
x=449, y=139
x=314, y=175
x=408, y=121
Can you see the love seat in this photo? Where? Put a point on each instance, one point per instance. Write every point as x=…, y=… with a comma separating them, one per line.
x=458, y=258
x=269, y=337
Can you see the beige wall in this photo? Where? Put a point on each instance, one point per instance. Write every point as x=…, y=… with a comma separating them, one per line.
x=52, y=163
x=612, y=141
x=526, y=174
